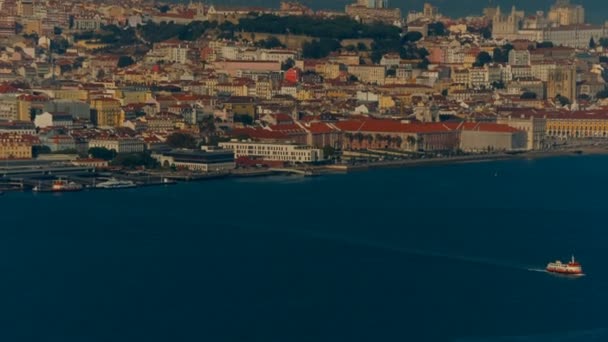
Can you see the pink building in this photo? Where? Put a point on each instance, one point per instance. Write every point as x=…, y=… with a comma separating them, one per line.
x=233, y=67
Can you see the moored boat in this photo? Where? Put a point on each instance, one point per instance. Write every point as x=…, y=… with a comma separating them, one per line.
x=571, y=268
x=61, y=185
x=114, y=183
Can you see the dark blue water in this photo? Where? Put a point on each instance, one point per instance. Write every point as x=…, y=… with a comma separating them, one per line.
x=444, y=253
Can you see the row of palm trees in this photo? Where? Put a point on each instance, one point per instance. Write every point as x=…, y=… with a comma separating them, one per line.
x=381, y=139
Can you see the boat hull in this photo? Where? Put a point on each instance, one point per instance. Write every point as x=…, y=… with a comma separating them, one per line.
x=572, y=273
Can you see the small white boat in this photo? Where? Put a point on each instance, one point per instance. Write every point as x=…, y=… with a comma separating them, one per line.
x=114, y=183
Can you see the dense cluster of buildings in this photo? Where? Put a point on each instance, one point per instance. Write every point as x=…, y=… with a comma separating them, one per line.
x=564, y=24
x=468, y=92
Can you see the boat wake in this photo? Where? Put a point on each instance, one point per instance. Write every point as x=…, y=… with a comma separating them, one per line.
x=411, y=251
x=590, y=335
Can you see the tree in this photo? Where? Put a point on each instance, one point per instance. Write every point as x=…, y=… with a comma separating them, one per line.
x=164, y=8
x=592, y=44
x=604, y=42
x=412, y=37
x=411, y=140
x=437, y=29
x=102, y=153
x=181, y=140
x=132, y=160
x=501, y=54
x=270, y=43
x=424, y=64
x=361, y=47
x=563, y=101
x=40, y=149
x=584, y=97
x=288, y=64
x=57, y=30
x=59, y=45
x=329, y=151
x=498, y=85
x=528, y=95
x=545, y=44
x=602, y=94
x=244, y=119
x=319, y=48
x=125, y=61
x=482, y=59
x=444, y=92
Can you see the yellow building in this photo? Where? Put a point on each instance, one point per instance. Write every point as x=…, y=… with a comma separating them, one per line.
x=134, y=95
x=337, y=93
x=32, y=26
x=386, y=102
x=234, y=89
x=29, y=104
x=14, y=146
x=71, y=94
x=374, y=74
x=241, y=106
x=108, y=112
x=304, y=94
x=581, y=124
x=328, y=70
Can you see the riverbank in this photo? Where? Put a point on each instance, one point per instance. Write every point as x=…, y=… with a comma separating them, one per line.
x=585, y=150
x=156, y=178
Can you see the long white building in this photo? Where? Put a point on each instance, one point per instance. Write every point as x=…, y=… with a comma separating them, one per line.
x=292, y=153
x=120, y=145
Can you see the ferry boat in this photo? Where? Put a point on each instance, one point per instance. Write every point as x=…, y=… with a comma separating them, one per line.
x=114, y=183
x=61, y=185
x=570, y=268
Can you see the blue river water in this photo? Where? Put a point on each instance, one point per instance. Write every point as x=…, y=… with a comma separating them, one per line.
x=438, y=253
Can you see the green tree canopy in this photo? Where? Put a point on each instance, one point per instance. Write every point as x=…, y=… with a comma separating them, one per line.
x=437, y=29
x=319, y=48
x=412, y=37
x=602, y=94
x=482, y=59
x=563, y=101
x=102, y=153
x=270, y=43
x=132, y=160
x=125, y=61
x=528, y=95
x=181, y=140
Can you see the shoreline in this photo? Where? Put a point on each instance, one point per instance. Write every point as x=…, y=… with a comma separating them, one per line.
x=582, y=151
x=342, y=168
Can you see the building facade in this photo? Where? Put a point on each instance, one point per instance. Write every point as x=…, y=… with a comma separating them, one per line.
x=292, y=153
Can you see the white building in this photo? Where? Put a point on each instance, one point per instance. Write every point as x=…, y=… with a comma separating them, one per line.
x=47, y=119
x=292, y=153
x=577, y=36
x=534, y=126
x=9, y=107
x=478, y=77
x=193, y=160
x=519, y=57
x=120, y=145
